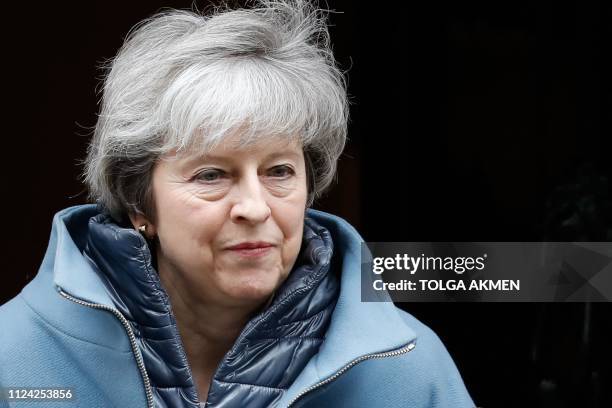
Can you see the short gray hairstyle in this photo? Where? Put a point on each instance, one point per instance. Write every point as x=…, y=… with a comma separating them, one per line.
x=184, y=80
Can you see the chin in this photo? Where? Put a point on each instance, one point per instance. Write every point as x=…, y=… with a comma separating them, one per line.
x=253, y=290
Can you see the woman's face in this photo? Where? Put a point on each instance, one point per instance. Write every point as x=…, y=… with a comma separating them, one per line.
x=230, y=223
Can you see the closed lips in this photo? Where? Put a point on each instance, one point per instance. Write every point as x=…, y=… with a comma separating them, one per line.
x=251, y=245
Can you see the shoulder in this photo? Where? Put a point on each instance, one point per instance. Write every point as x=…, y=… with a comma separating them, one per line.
x=39, y=328
x=34, y=353
x=425, y=376
x=428, y=368
x=16, y=320
x=23, y=342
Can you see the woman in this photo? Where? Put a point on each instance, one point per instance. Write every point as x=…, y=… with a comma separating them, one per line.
x=202, y=278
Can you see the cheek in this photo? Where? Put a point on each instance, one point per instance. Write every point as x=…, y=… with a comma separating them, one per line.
x=184, y=221
x=291, y=223
x=175, y=213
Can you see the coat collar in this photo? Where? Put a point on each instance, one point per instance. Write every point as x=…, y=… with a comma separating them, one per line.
x=72, y=272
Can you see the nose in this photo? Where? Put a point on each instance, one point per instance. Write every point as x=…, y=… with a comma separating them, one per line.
x=250, y=203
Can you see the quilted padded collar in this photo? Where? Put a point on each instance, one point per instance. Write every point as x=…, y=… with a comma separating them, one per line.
x=272, y=349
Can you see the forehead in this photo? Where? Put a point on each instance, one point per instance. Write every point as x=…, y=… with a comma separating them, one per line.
x=238, y=148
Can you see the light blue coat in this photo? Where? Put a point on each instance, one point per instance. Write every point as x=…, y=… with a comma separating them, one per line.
x=373, y=355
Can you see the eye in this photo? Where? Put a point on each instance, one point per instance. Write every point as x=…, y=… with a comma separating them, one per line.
x=209, y=175
x=282, y=172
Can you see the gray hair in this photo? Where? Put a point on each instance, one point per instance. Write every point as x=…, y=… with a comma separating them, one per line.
x=184, y=81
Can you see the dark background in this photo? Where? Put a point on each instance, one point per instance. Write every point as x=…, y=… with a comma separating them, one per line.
x=470, y=121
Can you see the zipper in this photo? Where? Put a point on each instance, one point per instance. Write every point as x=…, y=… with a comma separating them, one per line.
x=132, y=337
x=403, y=350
